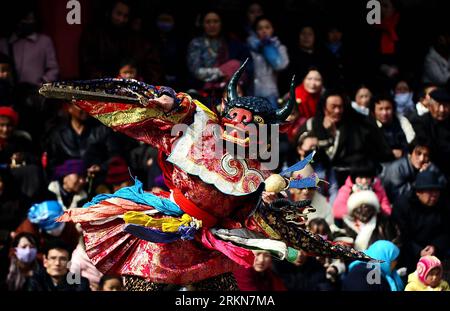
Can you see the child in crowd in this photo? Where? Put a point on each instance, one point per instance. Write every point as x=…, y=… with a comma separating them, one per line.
x=362, y=177
x=110, y=283
x=269, y=57
x=128, y=70
x=428, y=276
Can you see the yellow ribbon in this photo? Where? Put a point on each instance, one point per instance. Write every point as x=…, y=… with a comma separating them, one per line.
x=166, y=224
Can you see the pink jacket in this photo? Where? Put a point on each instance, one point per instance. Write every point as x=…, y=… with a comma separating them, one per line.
x=340, y=203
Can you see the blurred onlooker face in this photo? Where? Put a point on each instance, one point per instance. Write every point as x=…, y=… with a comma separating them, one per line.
x=364, y=213
x=120, y=14
x=363, y=96
x=77, y=113
x=334, y=35
x=25, y=243
x=264, y=29
x=334, y=108
x=309, y=144
x=255, y=10
x=56, y=262
x=439, y=110
x=384, y=111
x=165, y=22
x=402, y=87
x=301, y=259
x=307, y=38
x=5, y=71
x=263, y=261
x=434, y=277
x=25, y=250
x=387, y=9
x=112, y=285
x=6, y=127
x=303, y=194
x=128, y=72
x=212, y=25
x=420, y=156
x=428, y=197
x=313, y=82
x=73, y=183
x=26, y=25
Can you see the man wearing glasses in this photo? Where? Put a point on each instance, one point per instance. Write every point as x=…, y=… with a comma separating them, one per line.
x=56, y=276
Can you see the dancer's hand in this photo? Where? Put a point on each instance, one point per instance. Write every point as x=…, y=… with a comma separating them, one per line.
x=165, y=102
x=269, y=197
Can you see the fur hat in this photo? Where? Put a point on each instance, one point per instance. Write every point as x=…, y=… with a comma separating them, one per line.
x=359, y=198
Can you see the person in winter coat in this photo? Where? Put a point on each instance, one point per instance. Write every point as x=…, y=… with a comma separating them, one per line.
x=307, y=96
x=428, y=276
x=344, y=134
x=358, y=272
x=396, y=128
x=436, y=68
x=364, y=222
x=362, y=101
x=42, y=223
x=398, y=177
x=362, y=177
x=23, y=261
x=423, y=217
x=436, y=126
x=269, y=57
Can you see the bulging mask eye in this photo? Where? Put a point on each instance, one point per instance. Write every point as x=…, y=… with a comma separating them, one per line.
x=258, y=119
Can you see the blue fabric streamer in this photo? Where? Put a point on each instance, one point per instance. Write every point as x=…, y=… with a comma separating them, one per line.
x=187, y=232
x=307, y=182
x=151, y=235
x=299, y=165
x=157, y=236
x=136, y=194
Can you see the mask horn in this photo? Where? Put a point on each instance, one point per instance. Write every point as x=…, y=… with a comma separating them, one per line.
x=286, y=110
x=232, y=85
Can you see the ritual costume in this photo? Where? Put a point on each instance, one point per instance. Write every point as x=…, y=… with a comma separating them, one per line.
x=213, y=217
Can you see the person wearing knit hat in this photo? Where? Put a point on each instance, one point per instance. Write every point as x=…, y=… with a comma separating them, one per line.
x=428, y=276
x=8, y=121
x=68, y=184
x=71, y=166
x=364, y=222
x=11, y=114
x=118, y=175
x=423, y=218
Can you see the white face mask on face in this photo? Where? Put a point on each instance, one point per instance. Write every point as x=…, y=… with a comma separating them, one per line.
x=403, y=101
x=57, y=231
